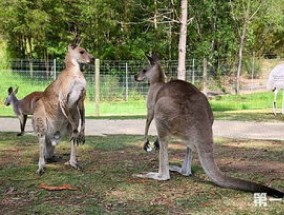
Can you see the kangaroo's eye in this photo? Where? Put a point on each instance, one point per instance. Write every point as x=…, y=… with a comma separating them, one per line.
x=144, y=70
x=82, y=52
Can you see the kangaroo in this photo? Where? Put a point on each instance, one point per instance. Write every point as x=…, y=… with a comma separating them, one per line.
x=23, y=107
x=156, y=82
x=60, y=109
x=181, y=110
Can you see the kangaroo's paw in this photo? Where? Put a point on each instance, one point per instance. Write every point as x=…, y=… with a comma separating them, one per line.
x=81, y=138
x=74, y=164
x=20, y=134
x=40, y=171
x=180, y=170
x=153, y=175
x=78, y=138
x=147, y=147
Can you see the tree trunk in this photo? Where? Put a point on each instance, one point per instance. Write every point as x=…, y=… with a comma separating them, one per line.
x=182, y=41
x=242, y=44
x=204, y=77
x=155, y=15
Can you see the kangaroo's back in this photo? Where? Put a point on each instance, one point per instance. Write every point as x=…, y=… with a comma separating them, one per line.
x=185, y=99
x=28, y=102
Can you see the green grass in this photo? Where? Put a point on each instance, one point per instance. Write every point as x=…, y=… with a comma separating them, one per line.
x=255, y=101
x=106, y=185
x=116, y=107
x=221, y=106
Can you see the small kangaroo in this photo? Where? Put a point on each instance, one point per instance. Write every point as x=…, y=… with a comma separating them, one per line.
x=181, y=110
x=60, y=109
x=23, y=107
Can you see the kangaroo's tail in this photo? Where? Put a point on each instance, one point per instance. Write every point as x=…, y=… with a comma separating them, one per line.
x=219, y=178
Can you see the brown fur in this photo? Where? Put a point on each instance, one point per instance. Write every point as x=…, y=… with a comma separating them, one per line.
x=181, y=110
x=23, y=107
x=61, y=108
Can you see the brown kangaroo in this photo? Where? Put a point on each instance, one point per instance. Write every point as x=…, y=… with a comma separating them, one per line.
x=181, y=110
x=23, y=107
x=59, y=110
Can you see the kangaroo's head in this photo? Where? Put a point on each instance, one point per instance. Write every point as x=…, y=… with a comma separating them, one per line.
x=78, y=54
x=11, y=96
x=152, y=72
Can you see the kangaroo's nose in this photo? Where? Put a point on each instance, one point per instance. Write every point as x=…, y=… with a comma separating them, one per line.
x=136, y=77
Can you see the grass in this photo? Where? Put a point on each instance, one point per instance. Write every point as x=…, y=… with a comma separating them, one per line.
x=106, y=185
x=241, y=107
x=254, y=101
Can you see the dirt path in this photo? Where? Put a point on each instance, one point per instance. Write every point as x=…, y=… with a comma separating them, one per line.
x=232, y=129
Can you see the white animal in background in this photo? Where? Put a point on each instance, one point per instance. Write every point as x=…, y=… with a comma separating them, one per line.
x=276, y=83
x=60, y=109
x=181, y=110
x=23, y=107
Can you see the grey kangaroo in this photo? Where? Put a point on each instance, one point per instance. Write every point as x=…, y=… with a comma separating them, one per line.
x=60, y=109
x=23, y=107
x=181, y=110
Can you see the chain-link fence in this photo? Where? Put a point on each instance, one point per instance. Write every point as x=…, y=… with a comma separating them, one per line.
x=114, y=86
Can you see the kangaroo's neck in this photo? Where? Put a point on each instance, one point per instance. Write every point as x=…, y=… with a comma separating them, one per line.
x=15, y=100
x=158, y=76
x=16, y=104
x=71, y=63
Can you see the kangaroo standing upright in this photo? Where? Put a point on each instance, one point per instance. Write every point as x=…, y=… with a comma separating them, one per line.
x=60, y=109
x=23, y=107
x=181, y=110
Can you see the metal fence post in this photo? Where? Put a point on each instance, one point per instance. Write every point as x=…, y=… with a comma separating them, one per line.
x=126, y=82
x=252, y=71
x=204, y=81
x=31, y=67
x=193, y=74
x=54, y=69
x=97, y=87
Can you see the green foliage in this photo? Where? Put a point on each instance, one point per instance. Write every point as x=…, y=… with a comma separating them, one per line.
x=127, y=29
x=3, y=55
x=252, y=69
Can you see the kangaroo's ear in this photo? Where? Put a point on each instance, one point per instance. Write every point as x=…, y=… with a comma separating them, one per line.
x=16, y=90
x=10, y=90
x=150, y=59
x=153, y=59
x=76, y=42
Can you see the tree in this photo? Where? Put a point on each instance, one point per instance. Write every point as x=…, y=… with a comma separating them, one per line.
x=268, y=29
x=243, y=12
x=181, y=71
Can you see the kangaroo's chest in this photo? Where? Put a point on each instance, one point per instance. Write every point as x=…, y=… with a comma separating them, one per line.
x=76, y=90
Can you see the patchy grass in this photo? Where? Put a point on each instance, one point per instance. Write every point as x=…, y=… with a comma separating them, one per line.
x=106, y=185
x=249, y=115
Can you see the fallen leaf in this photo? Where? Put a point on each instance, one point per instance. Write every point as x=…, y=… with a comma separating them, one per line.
x=57, y=188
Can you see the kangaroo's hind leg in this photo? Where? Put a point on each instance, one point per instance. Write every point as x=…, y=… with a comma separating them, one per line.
x=40, y=128
x=74, y=142
x=185, y=169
